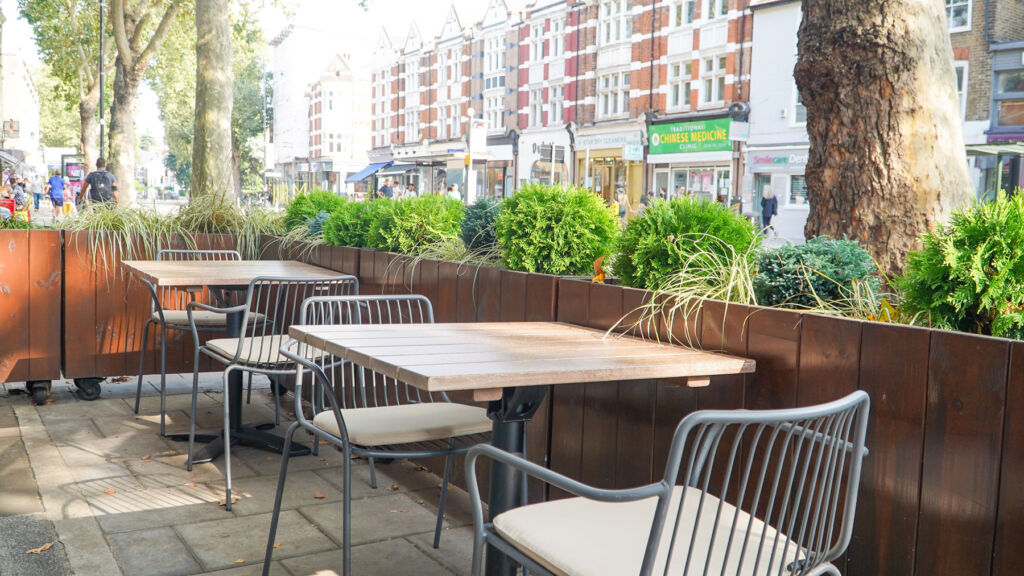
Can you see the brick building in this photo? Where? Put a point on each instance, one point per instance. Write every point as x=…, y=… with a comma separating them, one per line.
x=338, y=124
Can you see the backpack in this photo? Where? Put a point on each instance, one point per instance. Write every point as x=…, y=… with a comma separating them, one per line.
x=101, y=186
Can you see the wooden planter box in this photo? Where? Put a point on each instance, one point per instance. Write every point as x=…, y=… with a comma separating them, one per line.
x=31, y=281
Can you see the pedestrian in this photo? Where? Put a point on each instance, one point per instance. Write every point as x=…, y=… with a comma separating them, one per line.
x=55, y=187
x=385, y=190
x=769, y=208
x=624, y=206
x=645, y=203
x=453, y=192
x=100, y=185
x=411, y=190
x=37, y=192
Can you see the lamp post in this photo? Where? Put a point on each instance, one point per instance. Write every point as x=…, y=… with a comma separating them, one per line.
x=469, y=179
x=102, y=81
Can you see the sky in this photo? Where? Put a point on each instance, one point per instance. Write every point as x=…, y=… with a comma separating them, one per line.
x=354, y=30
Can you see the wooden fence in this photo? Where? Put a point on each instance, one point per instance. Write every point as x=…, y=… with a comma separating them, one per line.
x=941, y=492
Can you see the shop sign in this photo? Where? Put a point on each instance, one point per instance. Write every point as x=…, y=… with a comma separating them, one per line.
x=633, y=152
x=763, y=162
x=683, y=137
x=610, y=140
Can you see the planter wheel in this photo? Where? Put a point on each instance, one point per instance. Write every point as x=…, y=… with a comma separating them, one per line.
x=88, y=388
x=40, y=391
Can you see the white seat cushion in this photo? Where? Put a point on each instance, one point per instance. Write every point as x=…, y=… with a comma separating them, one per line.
x=261, y=350
x=406, y=423
x=580, y=537
x=203, y=318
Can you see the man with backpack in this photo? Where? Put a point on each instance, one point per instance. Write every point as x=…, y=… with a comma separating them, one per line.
x=100, y=185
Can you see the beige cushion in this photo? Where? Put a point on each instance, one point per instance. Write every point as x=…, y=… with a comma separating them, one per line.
x=203, y=318
x=580, y=537
x=406, y=423
x=261, y=350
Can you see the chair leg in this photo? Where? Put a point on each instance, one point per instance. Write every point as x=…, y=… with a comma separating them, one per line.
x=373, y=474
x=192, y=420
x=227, y=440
x=248, y=393
x=277, y=401
x=279, y=497
x=444, y=499
x=142, y=365
x=346, y=514
x=163, y=378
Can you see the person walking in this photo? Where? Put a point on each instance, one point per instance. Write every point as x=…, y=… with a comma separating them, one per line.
x=386, y=191
x=55, y=188
x=37, y=192
x=769, y=208
x=100, y=185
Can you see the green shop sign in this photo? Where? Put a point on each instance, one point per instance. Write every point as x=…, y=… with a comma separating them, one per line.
x=699, y=136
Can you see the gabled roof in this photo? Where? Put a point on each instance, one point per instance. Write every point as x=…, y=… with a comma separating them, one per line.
x=497, y=12
x=413, y=41
x=452, y=26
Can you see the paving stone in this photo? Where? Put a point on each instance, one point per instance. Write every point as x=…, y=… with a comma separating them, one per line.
x=56, y=411
x=256, y=493
x=456, y=551
x=87, y=550
x=219, y=543
x=400, y=472
x=389, y=557
x=22, y=533
x=156, y=552
x=174, y=467
x=8, y=422
x=20, y=492
x=269, y=464
x=276, y=569
x=393, y=516
x=137, y=509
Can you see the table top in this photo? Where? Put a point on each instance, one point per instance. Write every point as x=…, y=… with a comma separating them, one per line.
x=221, y=272
x=475, y=356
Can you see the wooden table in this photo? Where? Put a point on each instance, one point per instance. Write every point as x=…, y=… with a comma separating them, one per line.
x=227, y=275
x=510, y=365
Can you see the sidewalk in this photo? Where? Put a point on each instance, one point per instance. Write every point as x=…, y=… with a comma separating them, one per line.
x=115, y=499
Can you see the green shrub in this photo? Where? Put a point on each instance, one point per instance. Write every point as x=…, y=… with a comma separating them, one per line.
x=348, y=225
x=378, y=215
x=421, y=220
x=478, y=224
x=306, y=206
x=969, y=275
x=315, y=225
x=809, y=275
x=669, y=234
x=554, y=230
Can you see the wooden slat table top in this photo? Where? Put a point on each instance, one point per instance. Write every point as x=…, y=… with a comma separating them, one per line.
x=221, y=273
x=477, y=356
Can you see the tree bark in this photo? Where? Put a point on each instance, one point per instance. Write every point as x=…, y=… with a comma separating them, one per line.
x=90, y=127
x=236, y=170
x=122, y=134
x=212, y=162
x=887, y=159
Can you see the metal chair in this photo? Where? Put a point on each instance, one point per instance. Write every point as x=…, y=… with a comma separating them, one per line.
x=168, y=311
x=762, y=493
x=277, y=302
x=367, y=414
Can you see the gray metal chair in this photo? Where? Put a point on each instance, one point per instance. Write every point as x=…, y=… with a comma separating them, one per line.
x=367, y=414
x=168, y=311
x=760, y=493
x=277, y=302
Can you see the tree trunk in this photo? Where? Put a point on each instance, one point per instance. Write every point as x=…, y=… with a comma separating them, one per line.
x=90, y=127
x=212, y=164
x=236, y=170
x=887, y=159
x=122, y=134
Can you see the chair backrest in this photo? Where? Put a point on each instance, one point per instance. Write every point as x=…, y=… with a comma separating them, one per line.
x=170, y=298
x=797, y=470
x=357, y=386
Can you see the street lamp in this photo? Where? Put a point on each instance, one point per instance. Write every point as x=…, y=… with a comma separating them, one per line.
x=469, y=179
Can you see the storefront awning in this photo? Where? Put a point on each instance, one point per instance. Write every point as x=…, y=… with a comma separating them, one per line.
x=396, y=169
x=367, y=172
x=996, y=149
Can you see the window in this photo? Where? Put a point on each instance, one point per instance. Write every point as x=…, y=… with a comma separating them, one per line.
x=958, y=13
x=494, y=64
x=1009, y=97
x=613, y=94
x=797, y=191
x=616, y=22
x=442, y=123
x=960, y=69
x=330, y=100
x=442, y=67
x=799, y=110
x=411, y=76
x=454, y=120
x=557, y=38
x=713, y=73
x=716, y=9
x=536, y=107
x=493, y=112
x=536, y=42
x=453, y=66
x=412, y=126
x=682, y=13
x=557, y=99
x=679, y=75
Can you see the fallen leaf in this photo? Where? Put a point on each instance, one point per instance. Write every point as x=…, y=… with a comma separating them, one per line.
x=324, y=442
x=394, y=486
x=323, y=459
x=110, y=491
x=145, y=457
x=224, y=501
x=403, y=510
x=39, y=550
x=191, y=484
x=239, y=560
x=319, y=496
x=422, y=469
x=120, y=379
x=270, y=457
x=277, y=544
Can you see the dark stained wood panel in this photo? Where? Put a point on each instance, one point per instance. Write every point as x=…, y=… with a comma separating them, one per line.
x=513, y=296
x=14, y=305
x=567, y=402
x=79, y=307
x=1008, y=559
x=962, y=448
x=829, y=358
x=426, y=274
x=601, y=408
x=447, y=292
x=45, y=279
x=366, y=262
x=468, y=294
x=774, y=339
x=489, y=294
x=541, y=297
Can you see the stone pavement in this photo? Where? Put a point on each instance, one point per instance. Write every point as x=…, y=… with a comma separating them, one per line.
x=114, y=498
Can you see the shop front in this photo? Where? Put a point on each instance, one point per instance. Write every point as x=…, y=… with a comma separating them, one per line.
x=542, y=156
x=499, y=176
x=611, y=160
x=692, y=158
x=780, y=169
x=423, y=166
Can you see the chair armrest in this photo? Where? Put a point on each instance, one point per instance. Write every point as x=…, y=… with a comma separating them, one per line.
x=200, y=306
x=319, y=376
x=660, y=489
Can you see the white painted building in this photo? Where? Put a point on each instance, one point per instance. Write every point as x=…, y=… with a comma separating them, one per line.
x=20, y=109
x=339, y=124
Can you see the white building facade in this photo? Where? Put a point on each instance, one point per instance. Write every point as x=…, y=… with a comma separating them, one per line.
x=20, y=111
